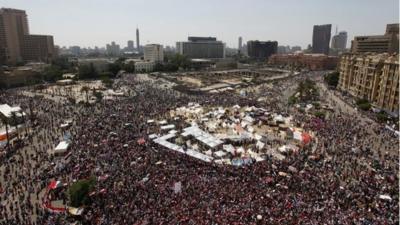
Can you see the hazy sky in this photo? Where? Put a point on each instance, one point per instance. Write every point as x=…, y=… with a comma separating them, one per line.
x=90, y=23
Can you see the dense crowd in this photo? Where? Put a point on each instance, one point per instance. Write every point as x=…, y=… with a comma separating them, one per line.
x=337, y=180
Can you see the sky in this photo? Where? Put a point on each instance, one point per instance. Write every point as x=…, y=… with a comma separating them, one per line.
x=90, y=23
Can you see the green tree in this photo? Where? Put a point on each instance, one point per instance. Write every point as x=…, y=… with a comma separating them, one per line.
x=79, y=191
x=320, y=114
x=107, y=81
x=363, y=104
x=180, y=61
x=159, y=67
x=114, y=68
x=332, y=79
x=52, y=73
x=292, y=100
x=63, y=63
x=98, y=95
x=87, y=72
x=382, y=116
x=129, y=67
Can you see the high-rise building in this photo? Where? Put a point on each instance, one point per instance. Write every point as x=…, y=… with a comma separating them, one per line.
x=75, y=50
x=389, y=42
x=13, y=26
x=339, y=41
x=153, y=53
x=113, y=49
x=261, y=49
x=240, y=44
x=321, y=38
x=16, y=42
x=137, y=40
x=130, y=46
x=201, y=47
x=38, y=48
x=371, y=76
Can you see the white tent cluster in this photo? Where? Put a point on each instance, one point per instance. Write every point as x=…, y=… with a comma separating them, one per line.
x=234, y=135
x=7, y=111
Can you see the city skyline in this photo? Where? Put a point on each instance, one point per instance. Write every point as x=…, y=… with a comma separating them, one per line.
x=287, y=22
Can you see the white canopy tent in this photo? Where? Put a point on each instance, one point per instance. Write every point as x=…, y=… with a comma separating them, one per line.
x=61, y=148
x=7, y=111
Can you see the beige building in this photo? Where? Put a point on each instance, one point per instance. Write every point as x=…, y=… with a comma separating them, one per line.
x=153, y=53
x=19, y=76
x=389, y=42
x=301, y=60
x=13, y=26
x=374, y=77
x=16, y=44
x=144, y=66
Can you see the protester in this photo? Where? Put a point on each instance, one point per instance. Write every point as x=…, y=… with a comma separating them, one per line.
x=339, y=181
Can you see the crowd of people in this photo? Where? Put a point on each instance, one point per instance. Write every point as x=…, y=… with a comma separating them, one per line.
x=337, y=180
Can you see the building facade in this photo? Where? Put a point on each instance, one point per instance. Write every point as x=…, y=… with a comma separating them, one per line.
x=261, y=49
x=100, y=64
x=113, y=49
x=389, y=42
x=16, y=42
x=153, y=53
x=201, y=48
x=372, y=76
x=130, y=46
x=144, y=66
x=321, y=39
x=339, y=41
x=38, y=48
x=308, y=61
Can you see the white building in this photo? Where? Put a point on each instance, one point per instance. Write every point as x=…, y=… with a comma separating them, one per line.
x=153, y=53
x=144, y=66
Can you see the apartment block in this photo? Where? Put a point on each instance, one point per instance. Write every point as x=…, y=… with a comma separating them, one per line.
x=372, y=76
x=261, y=49
x=153, y=53
x=38, y=48
x=388, y=42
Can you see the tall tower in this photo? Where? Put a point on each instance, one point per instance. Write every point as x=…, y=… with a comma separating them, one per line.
x=321, y=39
x=137, y=39
x=240, y=44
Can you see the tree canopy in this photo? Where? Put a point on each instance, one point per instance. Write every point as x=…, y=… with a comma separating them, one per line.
x=79, y=191
x=87, y=72
x=332, y=79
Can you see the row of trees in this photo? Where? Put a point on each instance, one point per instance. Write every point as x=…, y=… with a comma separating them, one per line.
x=89, y=71
x=306, y=91
x=174, y=63
x=332, y=79
x=62, y=65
